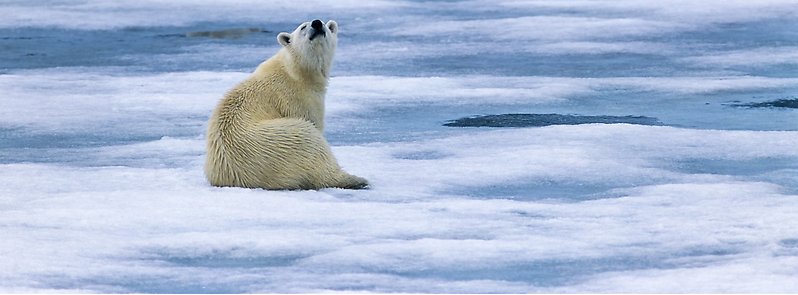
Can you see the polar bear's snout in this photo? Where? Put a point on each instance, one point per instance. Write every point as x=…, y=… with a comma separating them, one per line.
x=316, y=24
x=318, y=29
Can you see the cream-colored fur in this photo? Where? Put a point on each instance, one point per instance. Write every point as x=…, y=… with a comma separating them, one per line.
x=267, y=132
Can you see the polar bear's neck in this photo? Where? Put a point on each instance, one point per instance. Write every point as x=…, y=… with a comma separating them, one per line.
x=315, y=68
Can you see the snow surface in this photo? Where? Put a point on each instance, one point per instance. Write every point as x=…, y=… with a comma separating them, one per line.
x=103, y=109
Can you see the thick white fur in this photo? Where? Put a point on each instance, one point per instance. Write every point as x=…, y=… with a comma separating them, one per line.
x=267, y=132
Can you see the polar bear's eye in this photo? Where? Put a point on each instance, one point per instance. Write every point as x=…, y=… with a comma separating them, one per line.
x=303, y=27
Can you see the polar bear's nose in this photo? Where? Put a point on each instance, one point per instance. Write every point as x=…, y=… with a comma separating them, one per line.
x=317, y=24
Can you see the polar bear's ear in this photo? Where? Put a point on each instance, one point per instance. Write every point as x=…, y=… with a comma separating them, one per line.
x=333, y=26
x=284, y=38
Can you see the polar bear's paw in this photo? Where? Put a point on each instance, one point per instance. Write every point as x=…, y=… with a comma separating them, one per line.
x=349, y=181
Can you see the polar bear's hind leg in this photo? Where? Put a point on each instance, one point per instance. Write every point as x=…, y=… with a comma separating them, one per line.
x=293, y=154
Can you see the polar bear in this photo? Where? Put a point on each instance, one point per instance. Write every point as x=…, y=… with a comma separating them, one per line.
x=267, y=132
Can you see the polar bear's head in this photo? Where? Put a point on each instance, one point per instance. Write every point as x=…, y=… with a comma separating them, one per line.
x=312, y=44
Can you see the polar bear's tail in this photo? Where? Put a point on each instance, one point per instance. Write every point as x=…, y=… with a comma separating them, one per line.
x=282, y=153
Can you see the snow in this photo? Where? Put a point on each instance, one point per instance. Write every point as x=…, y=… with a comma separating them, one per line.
x=102, y=15
x=750, y=57
x=102, y=147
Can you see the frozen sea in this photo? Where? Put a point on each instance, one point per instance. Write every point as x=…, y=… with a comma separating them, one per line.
x=512, y=146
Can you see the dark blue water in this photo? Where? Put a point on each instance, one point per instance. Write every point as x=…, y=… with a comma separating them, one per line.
x=147, y=49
